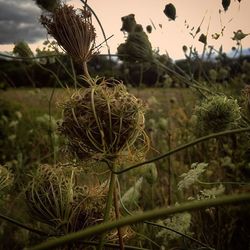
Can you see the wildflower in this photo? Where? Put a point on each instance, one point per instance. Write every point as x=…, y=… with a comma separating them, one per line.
x=213, y=192
x=179, y=222
x=192, y=175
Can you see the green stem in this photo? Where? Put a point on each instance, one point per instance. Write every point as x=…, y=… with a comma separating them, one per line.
x=224, y=183
x=140, y=217
x=115, y=246
x=117, y=215
x=168, y=228
x=108, y=207
x=19, y=224
x=180, y=233
x=201, y=139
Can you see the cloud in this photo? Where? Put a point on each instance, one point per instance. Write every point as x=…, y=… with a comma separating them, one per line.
x=19, y=21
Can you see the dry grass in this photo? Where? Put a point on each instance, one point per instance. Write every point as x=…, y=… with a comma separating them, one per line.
x=38, y=99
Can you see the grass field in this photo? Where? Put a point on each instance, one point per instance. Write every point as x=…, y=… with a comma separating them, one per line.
x=30, y=139
x=40, y=98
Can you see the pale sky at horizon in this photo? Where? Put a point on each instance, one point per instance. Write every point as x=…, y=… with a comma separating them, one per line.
x=173, y=34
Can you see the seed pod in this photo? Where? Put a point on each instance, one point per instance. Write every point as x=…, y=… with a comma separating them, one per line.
x=225, y=4
x=203, y=39
x=239, y=35
x=149, y=29
x=48, y=5
x=184, y=48
x=170, y=11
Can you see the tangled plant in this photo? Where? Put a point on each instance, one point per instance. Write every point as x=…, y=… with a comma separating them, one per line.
x=54, y=198
x=103, y=120
x=217, y=113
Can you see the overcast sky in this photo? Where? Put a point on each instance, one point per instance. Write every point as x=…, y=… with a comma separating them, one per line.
x=19, y=21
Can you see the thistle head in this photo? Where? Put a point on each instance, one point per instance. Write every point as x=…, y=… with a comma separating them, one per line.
x=73, y=30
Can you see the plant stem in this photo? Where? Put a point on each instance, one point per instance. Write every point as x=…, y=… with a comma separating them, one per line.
x=201, y=139
x=140, y=217
x=117, y=215
x=86, y=71
x=19, y=224
x=108, y=206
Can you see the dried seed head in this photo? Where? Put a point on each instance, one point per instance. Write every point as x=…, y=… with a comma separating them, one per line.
x=103, y=120
x=73, y=30
x=54, y=198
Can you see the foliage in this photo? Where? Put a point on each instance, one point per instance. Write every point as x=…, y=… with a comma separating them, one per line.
x=22, y=49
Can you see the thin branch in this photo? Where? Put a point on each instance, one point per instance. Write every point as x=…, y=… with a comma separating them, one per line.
x=201, y=139
x=19, y=224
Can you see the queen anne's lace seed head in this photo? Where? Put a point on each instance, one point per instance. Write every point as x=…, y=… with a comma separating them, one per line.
x=73, y=30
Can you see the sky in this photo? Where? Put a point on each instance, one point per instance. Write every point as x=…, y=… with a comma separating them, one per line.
x=19, y=21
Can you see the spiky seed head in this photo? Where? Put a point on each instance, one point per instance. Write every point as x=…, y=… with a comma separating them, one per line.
x=73, y=30
x=217, y=113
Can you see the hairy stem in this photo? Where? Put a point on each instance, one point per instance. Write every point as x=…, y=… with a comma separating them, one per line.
x=108, y=207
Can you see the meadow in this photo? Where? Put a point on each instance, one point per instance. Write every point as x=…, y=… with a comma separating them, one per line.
x=130, y=152
x=206, y=170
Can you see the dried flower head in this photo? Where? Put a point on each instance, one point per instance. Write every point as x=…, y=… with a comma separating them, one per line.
x=54, y=198
x=217, y=113
x=103, y=120
x=73, y=31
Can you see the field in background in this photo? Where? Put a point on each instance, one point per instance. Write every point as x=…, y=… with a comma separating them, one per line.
x=39, y=98
x=29, y=128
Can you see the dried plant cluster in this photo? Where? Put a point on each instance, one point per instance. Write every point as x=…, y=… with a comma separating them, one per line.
x=73, y=30
x=103, y=120
x=54, y=198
